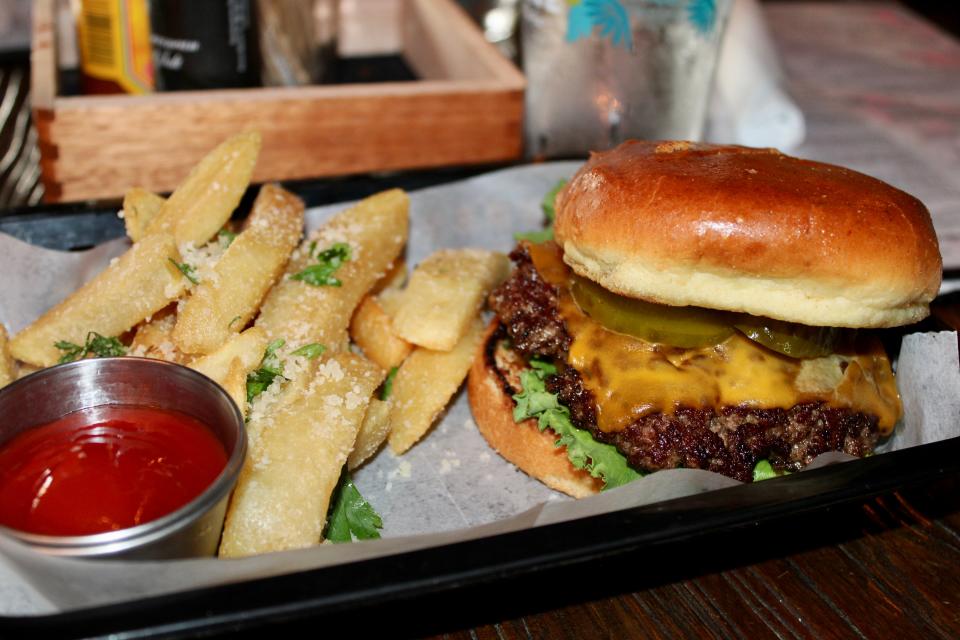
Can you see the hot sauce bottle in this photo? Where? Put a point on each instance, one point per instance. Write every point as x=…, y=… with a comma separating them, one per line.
x=114, y=42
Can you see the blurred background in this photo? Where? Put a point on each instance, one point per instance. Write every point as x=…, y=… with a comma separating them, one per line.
x=287, y=58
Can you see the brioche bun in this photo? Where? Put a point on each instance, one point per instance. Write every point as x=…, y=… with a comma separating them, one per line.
x=531, y=450
x=752, y=230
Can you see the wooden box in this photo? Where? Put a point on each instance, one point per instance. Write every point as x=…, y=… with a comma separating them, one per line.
x=466, y=108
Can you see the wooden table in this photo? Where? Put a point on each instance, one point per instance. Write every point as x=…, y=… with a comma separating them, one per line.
x=881, y=92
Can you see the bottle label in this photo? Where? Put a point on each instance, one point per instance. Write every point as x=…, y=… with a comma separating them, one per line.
x=114, y=40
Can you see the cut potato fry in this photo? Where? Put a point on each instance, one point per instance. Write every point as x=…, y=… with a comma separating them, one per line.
x=284, y=490
x=372, y=330
x=373, y=432
x=223, y=304
x=153, y=338
x=246, y=347
x=445, y=292
x=205, y=199
x=375, y=231
x=235, y=384
x=137, y=285
x=424, y=385
x=393, y=279
x=8, y=369
x=140, y=207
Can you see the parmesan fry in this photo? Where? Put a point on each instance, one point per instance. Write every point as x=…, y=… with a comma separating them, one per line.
x=141, y=282
x=445, y=293
x=205, y=199
x=153, y=337
x=224, y=304
x=373, y=431
x=235, y=384
x=245, y=348
x=8, y=370
x=139, y=208
x=393, y=279
x=284, y=490
x=424, y=385
x=343, y=260
x=372, y=330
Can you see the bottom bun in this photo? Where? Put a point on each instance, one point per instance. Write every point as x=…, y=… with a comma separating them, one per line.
x=533, y=451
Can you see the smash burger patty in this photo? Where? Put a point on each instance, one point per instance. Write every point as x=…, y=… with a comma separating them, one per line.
x=775, y=247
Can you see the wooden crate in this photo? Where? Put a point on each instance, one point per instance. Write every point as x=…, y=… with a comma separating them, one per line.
x=466, y=108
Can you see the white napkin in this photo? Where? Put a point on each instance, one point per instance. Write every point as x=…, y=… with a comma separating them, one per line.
x=749, y=104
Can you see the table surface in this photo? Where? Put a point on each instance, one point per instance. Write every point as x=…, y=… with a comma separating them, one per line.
x=880, y=89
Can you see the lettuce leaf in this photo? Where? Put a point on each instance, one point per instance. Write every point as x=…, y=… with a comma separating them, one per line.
x=763, y=470
x=600, y=460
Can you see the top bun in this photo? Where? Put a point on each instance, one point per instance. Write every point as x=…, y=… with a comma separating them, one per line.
x=751, y=230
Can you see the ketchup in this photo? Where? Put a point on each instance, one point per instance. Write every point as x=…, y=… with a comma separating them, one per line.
x=105, y=468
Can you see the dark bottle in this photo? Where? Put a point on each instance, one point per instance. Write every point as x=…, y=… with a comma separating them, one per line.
x=204, y=44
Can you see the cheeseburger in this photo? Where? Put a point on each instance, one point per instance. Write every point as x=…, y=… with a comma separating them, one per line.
x=702, y=307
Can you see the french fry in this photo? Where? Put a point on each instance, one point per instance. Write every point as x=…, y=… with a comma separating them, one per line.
x=373, y=431
x=235, y=384
x=153, y=338
x=284, y=490
x=372, y=330
x=8, y=368
x=393, y=279
x=424, y=385
x=238, y=356
x=445, y=292
x=375, y=231
x=222, y=305
x=139, y=208
x=205, y=199
x=142, y=282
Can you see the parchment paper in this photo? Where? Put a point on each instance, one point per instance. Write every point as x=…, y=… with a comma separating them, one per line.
x=451, y=486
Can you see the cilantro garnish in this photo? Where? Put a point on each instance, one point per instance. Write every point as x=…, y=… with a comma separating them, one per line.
x=351, y=517
x=310, y=351
x=601, y=460
x=96, y=345
x=548, y=206
x=226, y=237
x=188, y=271
x=387, y=387
x=270, y=368
x=328, y=261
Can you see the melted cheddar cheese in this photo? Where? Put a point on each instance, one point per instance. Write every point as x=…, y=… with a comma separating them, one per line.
x=630, y=378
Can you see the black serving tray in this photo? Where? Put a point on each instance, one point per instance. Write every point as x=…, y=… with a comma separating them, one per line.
x=490, y=579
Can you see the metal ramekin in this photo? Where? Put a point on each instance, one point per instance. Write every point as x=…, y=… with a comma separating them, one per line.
x=192, y=530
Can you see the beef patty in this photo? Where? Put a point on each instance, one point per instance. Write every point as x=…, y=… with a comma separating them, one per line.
x=729, y=441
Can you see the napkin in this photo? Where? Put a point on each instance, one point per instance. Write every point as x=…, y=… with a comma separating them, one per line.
x=750, y=105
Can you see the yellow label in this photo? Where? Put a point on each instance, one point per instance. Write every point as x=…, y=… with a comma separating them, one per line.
x=114, y=40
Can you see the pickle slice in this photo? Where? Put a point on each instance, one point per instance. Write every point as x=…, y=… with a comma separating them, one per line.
x=684, y=327
x=794, y=340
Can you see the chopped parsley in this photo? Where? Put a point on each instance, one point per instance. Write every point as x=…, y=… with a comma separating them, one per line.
x=351, y=517
x=188, y=271
x=226, y=237
x=387, y=387
x=309, y=351
x=270, y=368
x=600, y=460
x=328, y=261
x=96, y=345
x=548, y=206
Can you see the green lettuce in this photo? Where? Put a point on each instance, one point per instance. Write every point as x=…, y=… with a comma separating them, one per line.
x=600, y=460
x=549, y=212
